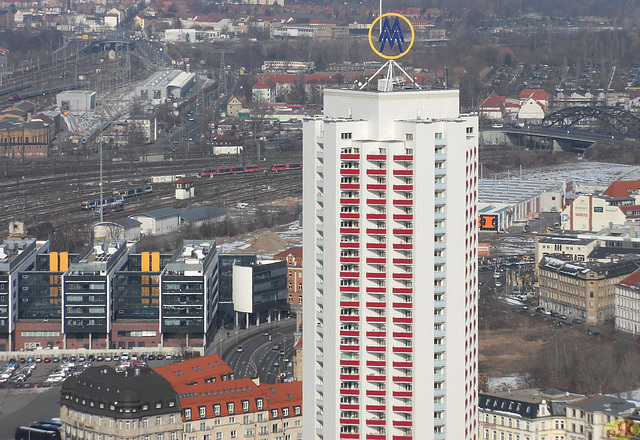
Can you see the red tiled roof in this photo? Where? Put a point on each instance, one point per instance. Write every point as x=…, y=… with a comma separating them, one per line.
x=198, y=369
x=537, y=94
x=632, y=280
x=295, y=251
x=261, y=85
x=622, y=188
x=629, y=209
x=281, y=77
x=493, y=101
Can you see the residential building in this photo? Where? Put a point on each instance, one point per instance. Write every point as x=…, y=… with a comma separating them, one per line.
x=103, y=404
x=533, y=105
x=262, y=92
x=234, y=105
x=627, y=304
x=587, y=418
x=293, y=257
x=279, y=65
x=145, y=125
x=492, y=107
x=581, y=289
x=390, y=237
x=529, y=414
x=24, y=139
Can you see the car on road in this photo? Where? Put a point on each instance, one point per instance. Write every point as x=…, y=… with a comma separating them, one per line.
x=563, y=317
x=276, y=363
x=266, y=333
x=281, y=352
x=239, y=348
x=498, y=284
x=576, y=321
x=47, y=360
x=276, y=347
x=555, y=314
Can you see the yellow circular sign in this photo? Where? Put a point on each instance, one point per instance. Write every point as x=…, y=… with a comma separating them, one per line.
x=391, y=34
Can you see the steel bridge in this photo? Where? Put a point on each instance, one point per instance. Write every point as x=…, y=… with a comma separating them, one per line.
x=620, y=121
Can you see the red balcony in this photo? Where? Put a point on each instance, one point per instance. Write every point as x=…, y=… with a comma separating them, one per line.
x=403, y=157
x=402, y=379
x=403, y=291
x=403, y=320
x=376, y=275
x=376, y=290
x=349, y=259
x=402, y=394
x=349, y=171
x=400, y=261
x=349, y=347
x=345, y=245
x=349, y=318
x=403, y=364
x=349, y=156
x=376, y=201
x=377, y=157
x=400, y=188
x=403, y=246
x=371, y=172
x=373, y=378
x=376, y=408
x=376, y=319
x=349, y=201
x=403, y=172
x=376, y=216
x=349, y=186
x=402, y=349
x=349, y=274
x=349, y=289
x=350, y=436
x=403, y=423
x=377, y=246
x=402, y=231
x=354, y=333
x=347, y=392
x=376, y=363
x=350, y=407
x=349, y=303
x=350, y=377
x=408, y=217
x=349, y=230
x=376, y=186
x=376, y=304
x=349, y=421
x=376, y=231
x=402, y=408
x=376, y=260
x=376, y=335
x=403, y=335
x=402, y=276
x=349, y=216
x=376, y=348
x=402, y=202
x=402, y=437
x=402, y=305
x=345, y=363
x=376, y=393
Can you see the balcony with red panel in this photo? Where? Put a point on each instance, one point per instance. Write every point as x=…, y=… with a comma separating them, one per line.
x=349, y=216
x=349, y=436
x=376, y=245
x=403, y=157
x=376, y=172
x=376, y=348
x=350, y=186
x=349, y=156
x=349, y=259
x=376, y=216
x=349, y=392
x=376, y=275
x=402, y=305
x=402, y=349
x=376, y=186
x=376, y=260
x=403, y=364
x=376, y=363
x=403, y=423
x=349, y=274
x=349, y=304
x=403, y=246
x=403, y=408
x=372, y=334
x=403, y=217
x=402, y=187
x=376, y=319
x=349, y=201
x=402, y=202
x=349, y=230
x=349, y=363
x=403, y=320
x=376, y=304
x=402, y=437
x=350, y=377
x=346, y=407
x=376, y=289
x=350, y=333
x=403, y=335
x=376, y=393
x=402, y=291
x=349, y=289
x=349, y=245
x=377, y=157
x=403, y=231
x=402, y=261
x=376, y=201
x=376, y=231
x=402, y=276
x=349, y=347
x=349, y=318
x=349, y=171
x=403, y=172
x=376, y=408
x=372, y=378
x=404, y=379
x=402, y=394
x=349, y=421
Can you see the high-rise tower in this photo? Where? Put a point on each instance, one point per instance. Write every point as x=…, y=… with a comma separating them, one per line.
x=390, y=236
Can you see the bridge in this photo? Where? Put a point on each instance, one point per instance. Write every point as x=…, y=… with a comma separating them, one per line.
x=563, y=130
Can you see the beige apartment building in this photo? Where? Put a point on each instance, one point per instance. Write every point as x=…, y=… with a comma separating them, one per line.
x=579, y=289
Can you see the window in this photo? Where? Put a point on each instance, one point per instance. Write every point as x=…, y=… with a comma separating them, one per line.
x=274, y=413
x=260, y=418
x=438, y=136
x=285, y=412
x=187, y=413
x=234, y=434
x=245, y=420
x=245, y=405
x=218, y=436
x=230, y=407
x=469, y=130
x=159, y=420
x=263, y=430
x=172, y=419
x=296, y=410
x=259, y=404
x=408, y=136
x=216, y=410
x=145, y=421
x=203, y=426
x=248, y=432
x=203, y=411
x=346, y=135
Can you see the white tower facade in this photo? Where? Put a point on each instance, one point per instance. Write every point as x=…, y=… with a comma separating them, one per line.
x=390, y=276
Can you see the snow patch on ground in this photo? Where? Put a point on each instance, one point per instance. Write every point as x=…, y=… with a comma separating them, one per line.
x=505, y=383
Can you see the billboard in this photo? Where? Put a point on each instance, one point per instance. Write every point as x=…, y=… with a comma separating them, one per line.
x=488, y=222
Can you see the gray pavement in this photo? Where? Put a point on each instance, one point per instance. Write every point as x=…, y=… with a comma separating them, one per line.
x=20, y=407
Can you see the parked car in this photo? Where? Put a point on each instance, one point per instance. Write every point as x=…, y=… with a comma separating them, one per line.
x=239, y=348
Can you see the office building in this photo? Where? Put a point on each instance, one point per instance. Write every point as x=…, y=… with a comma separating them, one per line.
x=390, y=237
